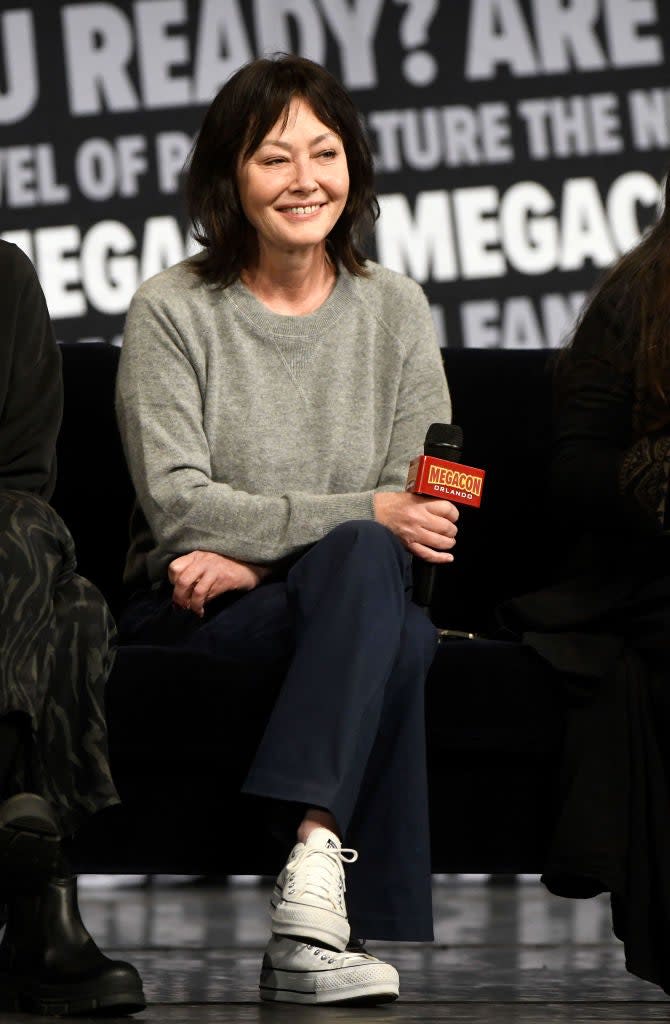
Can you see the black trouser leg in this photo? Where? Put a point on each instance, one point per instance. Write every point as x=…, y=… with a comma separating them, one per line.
x=348, y=732
x=389, y=889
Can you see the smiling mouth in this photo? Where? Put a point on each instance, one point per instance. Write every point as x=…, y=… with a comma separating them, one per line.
x=302, y=211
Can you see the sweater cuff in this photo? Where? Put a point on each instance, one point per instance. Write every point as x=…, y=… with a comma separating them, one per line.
x=351, y=506
x=313, y=516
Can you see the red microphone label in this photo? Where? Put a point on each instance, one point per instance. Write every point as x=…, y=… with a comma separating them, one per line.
x=438, y=478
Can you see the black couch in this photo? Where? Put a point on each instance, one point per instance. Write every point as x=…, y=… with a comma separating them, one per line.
x=182, y=732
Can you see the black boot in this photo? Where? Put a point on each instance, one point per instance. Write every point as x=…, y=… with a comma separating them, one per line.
x=50, y=965
x=29, y=841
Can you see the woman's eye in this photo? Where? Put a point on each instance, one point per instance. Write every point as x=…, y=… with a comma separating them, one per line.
x=276, y=160
x=328, y=153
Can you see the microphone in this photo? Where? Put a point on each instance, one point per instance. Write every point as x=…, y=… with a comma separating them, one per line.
x=444, y=441
x=439, y=474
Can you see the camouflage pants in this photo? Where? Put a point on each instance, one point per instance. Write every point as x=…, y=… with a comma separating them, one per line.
x=56, y=652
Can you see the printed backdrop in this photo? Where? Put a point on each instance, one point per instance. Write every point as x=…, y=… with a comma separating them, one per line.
x=520, y=144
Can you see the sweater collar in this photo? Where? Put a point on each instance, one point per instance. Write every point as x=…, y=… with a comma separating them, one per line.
x=281, y=325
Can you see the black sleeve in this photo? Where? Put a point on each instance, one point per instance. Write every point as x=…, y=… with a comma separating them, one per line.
x=593, y=430
x=31, y=388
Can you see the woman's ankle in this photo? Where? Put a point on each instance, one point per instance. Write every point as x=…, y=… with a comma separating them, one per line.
x=315, y=818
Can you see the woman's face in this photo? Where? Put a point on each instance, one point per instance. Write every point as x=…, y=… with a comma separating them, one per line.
x=295, y=185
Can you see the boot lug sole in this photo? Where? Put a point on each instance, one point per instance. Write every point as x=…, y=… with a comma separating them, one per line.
x=85, y=1001
x=122, y=1005
x=19, y=993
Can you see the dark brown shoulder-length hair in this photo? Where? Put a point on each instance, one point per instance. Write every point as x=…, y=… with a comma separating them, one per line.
x=239, y=118
x=636, y=292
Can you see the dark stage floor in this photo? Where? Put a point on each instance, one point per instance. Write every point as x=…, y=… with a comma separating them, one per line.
x=504, y=953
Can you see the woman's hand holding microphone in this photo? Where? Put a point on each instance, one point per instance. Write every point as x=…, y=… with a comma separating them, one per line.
x=426, y=526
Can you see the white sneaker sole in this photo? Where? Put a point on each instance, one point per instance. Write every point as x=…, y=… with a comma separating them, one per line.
x=375, y=984
x=299, y=920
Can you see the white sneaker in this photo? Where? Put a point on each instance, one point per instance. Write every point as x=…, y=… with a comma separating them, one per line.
x=308, y=898
x=294, y=972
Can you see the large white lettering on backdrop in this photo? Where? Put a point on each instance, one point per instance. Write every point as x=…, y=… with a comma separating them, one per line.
x=477, y=233
x=102, y=268
x=492, y=185
x=560, y=36
x=102, y=41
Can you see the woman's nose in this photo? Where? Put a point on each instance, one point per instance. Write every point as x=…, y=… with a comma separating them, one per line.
x=304, y=177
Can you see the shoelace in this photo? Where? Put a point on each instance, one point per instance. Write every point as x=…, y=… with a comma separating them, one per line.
x=326, y=954
x=320, y=875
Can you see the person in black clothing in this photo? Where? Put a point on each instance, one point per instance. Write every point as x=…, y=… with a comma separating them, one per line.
x=56, y=637
x=605, y=624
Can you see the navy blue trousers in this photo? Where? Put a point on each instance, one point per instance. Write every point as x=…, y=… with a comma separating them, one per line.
x=347, y=731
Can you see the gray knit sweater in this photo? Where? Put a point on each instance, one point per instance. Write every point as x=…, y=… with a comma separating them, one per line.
x=253, y=434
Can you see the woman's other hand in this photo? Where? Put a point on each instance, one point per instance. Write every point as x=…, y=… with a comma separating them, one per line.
x=426, y=526
x=202, y=575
